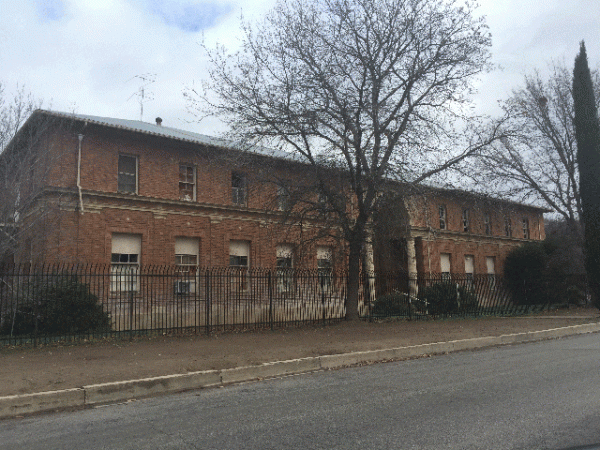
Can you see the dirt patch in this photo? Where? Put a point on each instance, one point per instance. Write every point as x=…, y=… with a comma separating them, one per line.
x=27, y=370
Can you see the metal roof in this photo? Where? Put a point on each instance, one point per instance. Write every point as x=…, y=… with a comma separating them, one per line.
x=170, y=133
x=196, y=138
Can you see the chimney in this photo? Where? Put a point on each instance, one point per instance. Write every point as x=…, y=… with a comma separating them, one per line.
x=158, y=121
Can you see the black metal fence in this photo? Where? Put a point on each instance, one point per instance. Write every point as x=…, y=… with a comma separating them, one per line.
x=437, y=295
x=46, y=303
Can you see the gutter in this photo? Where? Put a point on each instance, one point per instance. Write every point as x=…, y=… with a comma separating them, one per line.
x=80, y=136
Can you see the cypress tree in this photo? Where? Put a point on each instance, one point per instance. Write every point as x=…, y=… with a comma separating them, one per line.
x=587, y=134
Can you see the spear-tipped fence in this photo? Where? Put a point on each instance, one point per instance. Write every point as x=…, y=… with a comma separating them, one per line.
x=50, y=302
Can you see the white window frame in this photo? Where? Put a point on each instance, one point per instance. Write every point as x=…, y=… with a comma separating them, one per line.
x=446, y=266
x=285, y=268
x=507, y=226
x=470, y=269
x=239, y=194
x=186, y=259
x=443, y=217
x=125, y=262
x=466, y=220
x=187, y=182
x=325, y=268
x=487, y=224
x=239, y=262
x=526, y=232
x=283, y=198
x=490, y=262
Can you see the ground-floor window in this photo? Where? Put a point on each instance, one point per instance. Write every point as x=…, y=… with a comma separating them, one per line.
x=490, y=262
x=469, y=269
x=445, y=266
x=186, y=260
x=125, y=262
x=239, y=262
x=285, y=267
x=324, y=267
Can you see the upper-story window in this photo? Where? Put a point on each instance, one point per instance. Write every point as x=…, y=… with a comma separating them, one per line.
x=525, y=228
x=507, y=227
x=238, y=189
x=187, y=182
x=283, y=198
x=465, y=220
x=128, y=174
x=487, y=223
x=442, y=213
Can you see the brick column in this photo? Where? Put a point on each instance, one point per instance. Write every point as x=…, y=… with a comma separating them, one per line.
x=411, y=251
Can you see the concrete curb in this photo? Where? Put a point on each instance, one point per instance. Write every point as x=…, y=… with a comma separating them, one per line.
x=121, y=391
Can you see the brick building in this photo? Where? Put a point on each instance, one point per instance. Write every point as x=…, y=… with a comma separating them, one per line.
x=435, y=231
x=109, y=191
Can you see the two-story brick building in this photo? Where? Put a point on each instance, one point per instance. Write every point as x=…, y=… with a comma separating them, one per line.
x=110, y=191
x=436, y=231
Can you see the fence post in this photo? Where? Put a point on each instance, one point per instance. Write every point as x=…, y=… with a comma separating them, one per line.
x=207, y=302
x=322, y=283
x=131, y=305
x=270, y=287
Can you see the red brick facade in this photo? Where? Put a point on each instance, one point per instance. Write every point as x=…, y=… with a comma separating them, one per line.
x=58, y=229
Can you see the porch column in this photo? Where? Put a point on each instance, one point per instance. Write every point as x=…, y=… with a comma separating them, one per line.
x=411, y=252
x=369, y=263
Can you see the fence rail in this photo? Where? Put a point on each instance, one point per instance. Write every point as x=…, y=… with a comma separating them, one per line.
x=41, y=304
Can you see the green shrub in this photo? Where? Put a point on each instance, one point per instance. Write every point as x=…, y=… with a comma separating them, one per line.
x=63, y=307
x=533, y=278
x=449, y=298
x=394, y=304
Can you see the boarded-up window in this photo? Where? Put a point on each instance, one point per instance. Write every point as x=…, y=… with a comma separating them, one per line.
x=125, y=260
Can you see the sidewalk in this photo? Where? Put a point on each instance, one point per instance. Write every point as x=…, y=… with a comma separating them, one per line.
x=28, y=370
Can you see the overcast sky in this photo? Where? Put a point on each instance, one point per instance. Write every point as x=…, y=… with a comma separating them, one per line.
x=87, y=55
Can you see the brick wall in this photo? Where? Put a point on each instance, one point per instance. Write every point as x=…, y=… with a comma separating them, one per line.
x=156, y=213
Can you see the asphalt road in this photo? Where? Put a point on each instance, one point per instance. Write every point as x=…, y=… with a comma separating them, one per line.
x=536, y=396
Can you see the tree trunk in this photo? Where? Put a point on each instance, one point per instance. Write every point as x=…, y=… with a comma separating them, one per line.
x=353, y=283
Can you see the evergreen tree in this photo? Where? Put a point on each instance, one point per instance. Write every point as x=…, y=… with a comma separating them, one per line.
x=587, y=134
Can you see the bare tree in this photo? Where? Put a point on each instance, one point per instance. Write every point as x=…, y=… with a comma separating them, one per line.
x=14, y=111
x=369, y=89
x=537, y=160
x=19, y=159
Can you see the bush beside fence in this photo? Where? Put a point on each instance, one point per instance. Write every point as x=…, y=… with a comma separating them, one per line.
x=41, y=303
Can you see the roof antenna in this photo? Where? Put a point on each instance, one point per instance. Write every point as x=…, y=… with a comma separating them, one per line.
x=146, y=80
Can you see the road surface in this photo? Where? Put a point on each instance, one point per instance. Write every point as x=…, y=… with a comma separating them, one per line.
x=542, y=395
